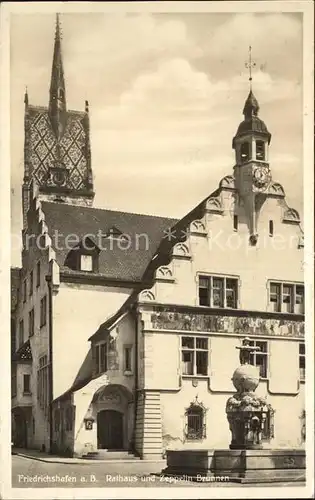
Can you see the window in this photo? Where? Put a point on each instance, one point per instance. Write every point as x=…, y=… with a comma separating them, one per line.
x=31, y=283
x=101, y=358
x=69, y=418
x=271, y=228
x=245, y=151
x=128, y=359
x=235, y=222
x=287, y=298
x=195, y=427
x=31, y=322
x=24, y=291
x=42, y=382
x=86, y=262
x=260, y=358
x=218, y=292
x=13, y=381
x=275, y=290
x=302, y=360
x=43, y=311
x=38, y=274
x=195, y=356
x=61, y=94
x=21, y=333
x=26, y=384
x=260, y=150
x=299, y=300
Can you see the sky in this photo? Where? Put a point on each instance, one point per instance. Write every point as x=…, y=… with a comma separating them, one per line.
x=166, y=94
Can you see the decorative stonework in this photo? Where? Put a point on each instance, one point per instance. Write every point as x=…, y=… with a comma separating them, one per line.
x=276, y=189
x=198, y=227
x=291, y=215
x=108, y=395
x=181, y=251
x=214, y=205
x=164, y=273
x=146, y=296
x=172, y=320
x=227, y=182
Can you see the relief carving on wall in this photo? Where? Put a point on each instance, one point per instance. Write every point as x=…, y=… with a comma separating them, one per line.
x=172, y=320
x=109, y=396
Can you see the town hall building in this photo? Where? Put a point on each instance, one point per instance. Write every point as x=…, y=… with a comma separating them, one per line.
x=125, y=326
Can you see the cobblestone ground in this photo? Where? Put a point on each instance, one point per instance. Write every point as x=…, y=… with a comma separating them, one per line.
x=29, y=473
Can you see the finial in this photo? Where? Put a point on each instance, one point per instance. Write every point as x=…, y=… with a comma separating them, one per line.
x=26, y=96
x=250, y=64
x=86, y=106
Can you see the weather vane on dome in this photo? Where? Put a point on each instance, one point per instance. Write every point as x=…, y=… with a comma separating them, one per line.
x=250, y=64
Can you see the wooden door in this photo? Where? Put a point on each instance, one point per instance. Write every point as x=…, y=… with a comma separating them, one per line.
x=110, y=430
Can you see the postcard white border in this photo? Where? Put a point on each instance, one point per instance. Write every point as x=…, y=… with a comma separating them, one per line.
x=307, y=8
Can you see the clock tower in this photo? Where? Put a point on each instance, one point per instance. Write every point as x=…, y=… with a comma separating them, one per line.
x=251, y=171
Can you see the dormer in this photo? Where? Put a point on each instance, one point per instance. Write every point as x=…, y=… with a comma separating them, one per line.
x=84, y=257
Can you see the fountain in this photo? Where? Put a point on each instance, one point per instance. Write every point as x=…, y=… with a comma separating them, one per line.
x=248, y=458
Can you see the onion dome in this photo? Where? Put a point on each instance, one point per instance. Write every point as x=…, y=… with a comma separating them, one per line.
x=251, y=123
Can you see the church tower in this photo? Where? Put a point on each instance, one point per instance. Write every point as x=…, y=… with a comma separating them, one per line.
x=57, y=152
x=251, y=172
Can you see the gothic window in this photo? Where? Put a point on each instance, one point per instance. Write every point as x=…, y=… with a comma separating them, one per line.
x=195, y=355
x=31, y=322
x=21, y=333
x=42, y=382
x=271, y=228
x=286, y=297
x=260, y=358
x=31, y=283
x=43, y=311
x=195, y=425
x=24, y=291
x=302, y=360
x=38, y=274
x=217, y=291
x=260, y=150
x=245, y=151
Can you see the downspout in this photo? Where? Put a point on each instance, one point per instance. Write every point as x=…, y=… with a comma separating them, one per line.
x=136, y=376
x=50, y=372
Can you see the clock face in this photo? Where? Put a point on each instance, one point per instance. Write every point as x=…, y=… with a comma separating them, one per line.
x=59, y=177
x=261, y=176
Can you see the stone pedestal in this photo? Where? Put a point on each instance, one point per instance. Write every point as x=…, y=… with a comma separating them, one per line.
x=242, y=466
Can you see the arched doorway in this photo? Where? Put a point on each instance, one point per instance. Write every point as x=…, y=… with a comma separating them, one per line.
x=110, y=433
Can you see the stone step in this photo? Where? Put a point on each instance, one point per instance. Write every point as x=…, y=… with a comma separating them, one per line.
x=110, y=455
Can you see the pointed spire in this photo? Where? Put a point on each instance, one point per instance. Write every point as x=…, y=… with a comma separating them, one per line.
x=57, y=100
